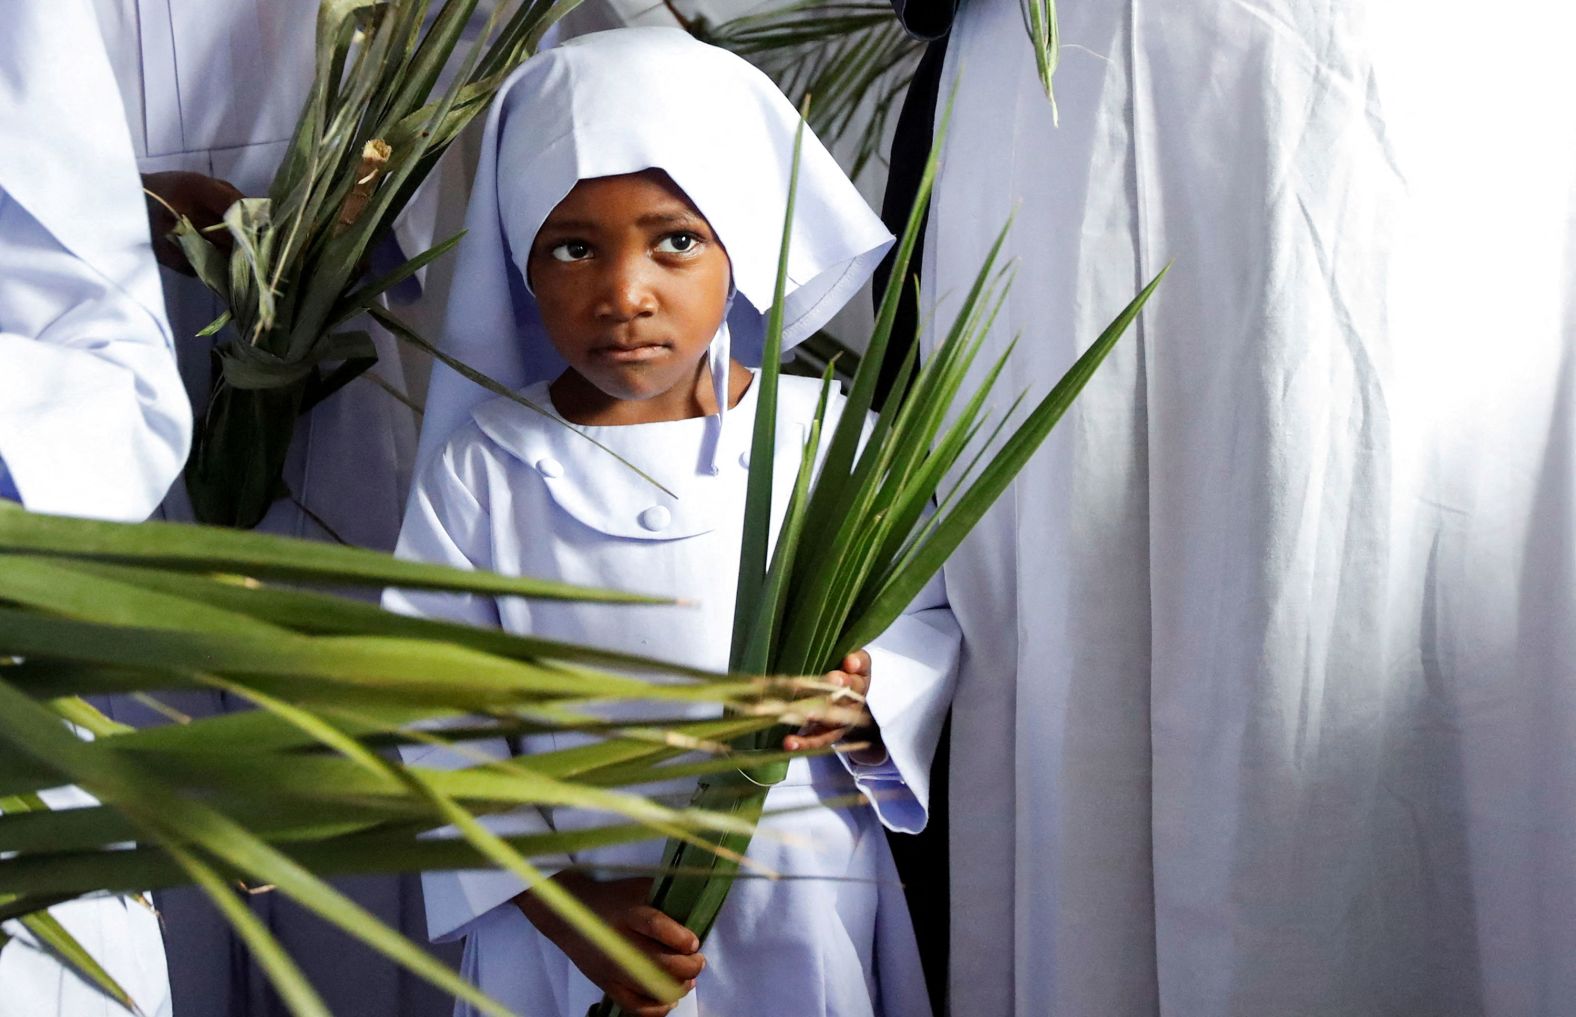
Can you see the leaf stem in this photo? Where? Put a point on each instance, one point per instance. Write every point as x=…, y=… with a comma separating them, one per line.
x=684, y=23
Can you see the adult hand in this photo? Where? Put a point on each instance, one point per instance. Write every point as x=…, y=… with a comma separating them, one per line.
x=202, y=199
x=621, y=903
x=854, y=676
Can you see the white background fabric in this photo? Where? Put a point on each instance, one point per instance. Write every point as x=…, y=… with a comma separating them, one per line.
x=1269, y=698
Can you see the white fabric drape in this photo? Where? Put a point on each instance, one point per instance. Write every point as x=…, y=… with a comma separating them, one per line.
x=1269, y=696
x=92, y=422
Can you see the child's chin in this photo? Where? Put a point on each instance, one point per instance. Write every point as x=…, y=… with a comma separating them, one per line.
x=631, y=386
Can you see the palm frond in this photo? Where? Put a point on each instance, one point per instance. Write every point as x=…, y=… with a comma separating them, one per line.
x=1039, y=20
x=854, y=58
x=302, y=786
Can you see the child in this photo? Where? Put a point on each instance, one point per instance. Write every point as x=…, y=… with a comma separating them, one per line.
x=623, y=239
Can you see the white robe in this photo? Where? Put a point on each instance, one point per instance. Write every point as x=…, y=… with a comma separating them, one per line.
x=93, y=420
x=1267, y=703
x=517, y=494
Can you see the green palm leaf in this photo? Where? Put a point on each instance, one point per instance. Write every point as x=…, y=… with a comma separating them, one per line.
x=1039, y=20
x=301, y=787
x=853, y=57
x=53, y=937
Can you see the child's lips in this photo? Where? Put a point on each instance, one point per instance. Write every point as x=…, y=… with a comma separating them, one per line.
x=631, y=354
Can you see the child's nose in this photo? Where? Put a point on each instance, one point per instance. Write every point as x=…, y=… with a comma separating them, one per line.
x=627, y=292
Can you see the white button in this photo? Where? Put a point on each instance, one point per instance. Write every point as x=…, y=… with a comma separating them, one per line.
x=744, y=459
x=549, y=467
x=656, y=518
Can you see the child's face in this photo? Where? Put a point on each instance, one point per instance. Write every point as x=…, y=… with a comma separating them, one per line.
x=631, y=283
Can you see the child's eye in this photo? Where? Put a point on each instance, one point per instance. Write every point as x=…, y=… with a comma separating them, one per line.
x=681, y=242
x=571, y=250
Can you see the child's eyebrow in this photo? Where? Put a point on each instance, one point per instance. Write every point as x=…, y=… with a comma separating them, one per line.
x=650, y=219
x=669, y=219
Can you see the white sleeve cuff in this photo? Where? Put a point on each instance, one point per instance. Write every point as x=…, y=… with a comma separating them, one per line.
x=913, y=666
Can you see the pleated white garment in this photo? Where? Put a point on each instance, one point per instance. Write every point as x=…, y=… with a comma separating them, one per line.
x=1268, y=703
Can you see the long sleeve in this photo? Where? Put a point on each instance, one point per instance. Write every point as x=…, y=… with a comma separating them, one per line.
x=448, y=524
x=93, y=418
x=913, y=667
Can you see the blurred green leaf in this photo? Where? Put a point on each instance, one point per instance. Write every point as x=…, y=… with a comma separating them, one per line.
x=854, y=58
x=299, y=788
x=183, y=548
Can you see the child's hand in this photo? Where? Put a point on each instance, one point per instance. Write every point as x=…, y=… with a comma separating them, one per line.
x=855, y=677
x=621, y=903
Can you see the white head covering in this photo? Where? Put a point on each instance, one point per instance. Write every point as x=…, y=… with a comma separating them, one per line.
x=619, y=102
